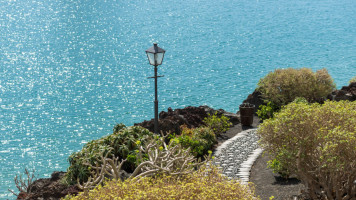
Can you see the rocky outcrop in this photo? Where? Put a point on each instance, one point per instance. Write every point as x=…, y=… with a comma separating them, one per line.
x=346, y=93
x=255, y=98
x=49, y=188
x=193, y=117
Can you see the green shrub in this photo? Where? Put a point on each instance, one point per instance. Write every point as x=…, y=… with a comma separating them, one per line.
x=278, y=164
x=218, y=124
x=123, y=143
x=203, y=184
x=353, y=79
x=199, y=140
x=300, y=100
x=317, y=143
x=284, y=85
x=266, y=111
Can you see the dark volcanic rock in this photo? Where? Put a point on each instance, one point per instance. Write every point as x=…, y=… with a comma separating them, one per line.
x=49, y=188
x=256, y=99
x=22, y=195
x=346, y=93
x=193, y=117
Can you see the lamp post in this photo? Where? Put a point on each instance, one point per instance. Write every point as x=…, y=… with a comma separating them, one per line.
x=155, y=56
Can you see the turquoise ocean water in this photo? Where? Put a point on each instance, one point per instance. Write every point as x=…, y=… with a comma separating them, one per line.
x=71, y=69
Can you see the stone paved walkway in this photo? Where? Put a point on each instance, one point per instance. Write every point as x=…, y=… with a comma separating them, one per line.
x=236, y=156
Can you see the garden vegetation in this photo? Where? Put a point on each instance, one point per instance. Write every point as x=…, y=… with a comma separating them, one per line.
x=219, y=124
x=203, y=184
x=200, y=140
x=155, y=158
x=123, y=143
x=284, y=85
x=316, y=142
x=125, y=149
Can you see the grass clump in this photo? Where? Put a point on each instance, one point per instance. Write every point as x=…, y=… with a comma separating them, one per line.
x=204, y=184
x=284, y=85
x=317, y=143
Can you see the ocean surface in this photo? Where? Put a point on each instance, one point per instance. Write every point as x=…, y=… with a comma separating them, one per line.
x=72, y=69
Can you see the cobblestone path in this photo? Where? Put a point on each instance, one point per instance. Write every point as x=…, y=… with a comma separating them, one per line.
x=236, y=156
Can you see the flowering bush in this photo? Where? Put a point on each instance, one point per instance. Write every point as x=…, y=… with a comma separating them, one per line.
x=284, y=85
x=317, y=143
x=204, y=184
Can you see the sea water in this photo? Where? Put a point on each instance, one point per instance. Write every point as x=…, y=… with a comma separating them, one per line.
x=72, y=69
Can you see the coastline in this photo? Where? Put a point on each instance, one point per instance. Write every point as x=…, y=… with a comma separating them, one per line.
x=52, y=188
x=267, y=183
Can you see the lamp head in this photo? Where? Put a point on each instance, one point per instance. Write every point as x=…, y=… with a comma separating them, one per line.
x=155, y=55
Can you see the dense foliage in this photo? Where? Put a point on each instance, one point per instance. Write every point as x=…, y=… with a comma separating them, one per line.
x=219, y=124
x=199, y=140
x=204, y=184
x=317, y=143
x=284, y=85
x=123, y=143
x=155, y=158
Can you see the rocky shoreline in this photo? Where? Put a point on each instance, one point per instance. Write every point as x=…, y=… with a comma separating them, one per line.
x=53, y=188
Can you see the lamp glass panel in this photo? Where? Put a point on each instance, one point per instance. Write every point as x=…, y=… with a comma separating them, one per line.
x=159, y=58
x=151, y=58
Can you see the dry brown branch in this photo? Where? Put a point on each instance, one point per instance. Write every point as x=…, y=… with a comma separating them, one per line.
x=24, y=185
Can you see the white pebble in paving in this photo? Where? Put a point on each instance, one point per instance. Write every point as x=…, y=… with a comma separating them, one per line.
x=238, y=155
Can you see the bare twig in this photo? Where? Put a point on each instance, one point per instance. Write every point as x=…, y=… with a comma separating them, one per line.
x=24, y=184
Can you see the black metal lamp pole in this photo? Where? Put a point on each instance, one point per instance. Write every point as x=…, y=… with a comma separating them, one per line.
x=156, y=102
x=155, y=56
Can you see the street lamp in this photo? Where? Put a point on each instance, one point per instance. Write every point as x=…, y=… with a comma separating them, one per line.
x=155, y=57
